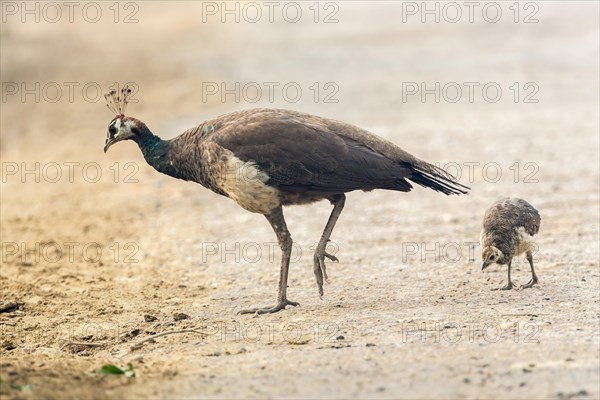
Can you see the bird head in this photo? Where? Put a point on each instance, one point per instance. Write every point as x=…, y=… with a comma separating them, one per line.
x=491, y=255
x=121, y=127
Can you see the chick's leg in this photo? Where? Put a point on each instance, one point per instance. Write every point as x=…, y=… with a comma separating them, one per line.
x=534, y=278
x=509, y=285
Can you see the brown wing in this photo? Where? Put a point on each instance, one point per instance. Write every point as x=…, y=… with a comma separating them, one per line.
x=300, y=153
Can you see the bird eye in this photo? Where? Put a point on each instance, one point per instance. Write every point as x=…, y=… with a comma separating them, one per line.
x=112, y=129
x=492, y=257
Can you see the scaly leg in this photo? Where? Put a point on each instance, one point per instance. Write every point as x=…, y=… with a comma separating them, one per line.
x=319, y=257
x=534, y=278
x=285, y=243
x=509, y=285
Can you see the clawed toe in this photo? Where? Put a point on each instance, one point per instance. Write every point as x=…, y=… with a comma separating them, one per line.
x=509, y=286
x=320, y=270
x=331, y=257
x=270, y=310
x=529, y=284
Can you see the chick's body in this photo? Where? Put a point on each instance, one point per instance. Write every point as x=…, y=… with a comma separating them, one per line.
x=509, y=227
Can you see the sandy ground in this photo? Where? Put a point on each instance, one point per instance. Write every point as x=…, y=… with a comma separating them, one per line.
x=99, y=252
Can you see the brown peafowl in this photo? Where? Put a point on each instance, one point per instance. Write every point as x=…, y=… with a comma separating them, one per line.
x=265, y=159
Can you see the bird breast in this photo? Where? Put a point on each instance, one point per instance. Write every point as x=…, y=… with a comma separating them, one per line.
x=246, y=184
x=525, y=242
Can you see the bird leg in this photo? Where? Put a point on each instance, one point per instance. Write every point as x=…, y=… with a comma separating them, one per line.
x=509, y=285
x=285, y=243
x=319, y=257
x=534, y=278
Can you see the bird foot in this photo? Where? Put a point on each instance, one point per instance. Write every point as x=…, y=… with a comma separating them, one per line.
x=508, y=286
x=269, y=310
x=530, y=284
x=331, y=257
x=320, y=270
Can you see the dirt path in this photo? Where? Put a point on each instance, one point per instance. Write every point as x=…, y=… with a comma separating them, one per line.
x=110, y=252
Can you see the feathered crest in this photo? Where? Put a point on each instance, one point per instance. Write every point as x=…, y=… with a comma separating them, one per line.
x=117, y=103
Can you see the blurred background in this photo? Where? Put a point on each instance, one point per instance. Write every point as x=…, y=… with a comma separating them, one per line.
x=503, y=94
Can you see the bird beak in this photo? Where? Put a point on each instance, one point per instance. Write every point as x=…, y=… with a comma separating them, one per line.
x=108, y=143
x=484, y=265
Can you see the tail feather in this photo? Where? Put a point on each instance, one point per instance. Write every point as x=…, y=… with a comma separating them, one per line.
x=436, y=178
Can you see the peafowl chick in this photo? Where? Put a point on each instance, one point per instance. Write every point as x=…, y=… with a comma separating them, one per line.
x=509, y=226
x=264, y=159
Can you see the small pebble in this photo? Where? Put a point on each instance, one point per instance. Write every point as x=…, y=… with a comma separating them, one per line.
x=149, y=318
x=180, y=316
x=8, y=346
